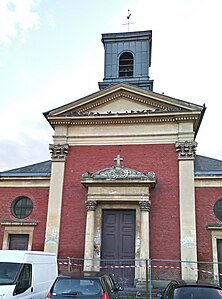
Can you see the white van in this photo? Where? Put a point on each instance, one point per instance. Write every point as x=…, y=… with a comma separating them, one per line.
x=26, y=274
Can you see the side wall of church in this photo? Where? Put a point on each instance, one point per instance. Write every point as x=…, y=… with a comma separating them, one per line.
x=205, y=201
x=164, y=213
x=39, y=197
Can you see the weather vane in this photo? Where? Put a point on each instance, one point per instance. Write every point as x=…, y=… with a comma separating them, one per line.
x=128, y=19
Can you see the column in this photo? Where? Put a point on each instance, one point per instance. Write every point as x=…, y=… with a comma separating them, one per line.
x=144, y=234
x=186, y=154
x=58, y=155
x=89, y=237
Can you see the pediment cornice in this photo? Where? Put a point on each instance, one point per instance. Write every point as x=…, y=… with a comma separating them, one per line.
x=125, y=104
x=131, y=95
x=123, y=94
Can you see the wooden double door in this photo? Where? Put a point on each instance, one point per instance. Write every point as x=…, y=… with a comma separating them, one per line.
x=118, y=244
x=18, y=241
x=219, y=251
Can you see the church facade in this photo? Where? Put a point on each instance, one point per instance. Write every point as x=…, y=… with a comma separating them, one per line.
x=124, y=180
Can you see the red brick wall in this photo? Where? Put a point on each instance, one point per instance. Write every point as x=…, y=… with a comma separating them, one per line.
x=164, y=214
x=205, y=200
x=39, y=197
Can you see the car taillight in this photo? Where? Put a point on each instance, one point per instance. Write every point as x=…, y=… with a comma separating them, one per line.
x=49, y=295
x=104, y=296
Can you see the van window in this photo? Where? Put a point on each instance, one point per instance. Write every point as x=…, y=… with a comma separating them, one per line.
x=24, y=280
x=8, y=272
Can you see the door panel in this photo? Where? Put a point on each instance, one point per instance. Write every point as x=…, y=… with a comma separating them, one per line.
x=18, y=242
x=219, y=252
x=118, y=243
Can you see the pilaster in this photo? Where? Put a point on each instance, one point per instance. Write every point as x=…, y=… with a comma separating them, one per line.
x=186, y=154
x=144, y=233
x=89, y=237
x=58, y=155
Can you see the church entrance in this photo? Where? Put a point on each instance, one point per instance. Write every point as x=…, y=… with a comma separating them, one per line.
x=219, y=250
x=118, y=243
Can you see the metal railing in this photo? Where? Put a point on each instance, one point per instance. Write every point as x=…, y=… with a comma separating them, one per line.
x=143, y=278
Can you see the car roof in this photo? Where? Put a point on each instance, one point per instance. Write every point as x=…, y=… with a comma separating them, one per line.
x=182, y=283
x=83, y=274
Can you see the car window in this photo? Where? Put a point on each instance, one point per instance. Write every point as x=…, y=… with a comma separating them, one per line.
x=169, y=291
x=110, y=282
x=77, y=286
x=8, y=272
x=24, y=280
x=197, y=293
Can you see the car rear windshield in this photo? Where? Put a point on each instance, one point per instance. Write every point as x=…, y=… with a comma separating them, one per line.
x=197, y=293
x=77, y=286
x=8, y=272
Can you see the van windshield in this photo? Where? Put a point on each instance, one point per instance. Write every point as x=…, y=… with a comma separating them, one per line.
x=8, y=272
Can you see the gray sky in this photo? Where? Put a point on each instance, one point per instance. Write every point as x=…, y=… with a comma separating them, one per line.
x=51, y=54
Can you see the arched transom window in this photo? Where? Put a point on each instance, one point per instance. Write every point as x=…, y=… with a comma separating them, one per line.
x=126, y=65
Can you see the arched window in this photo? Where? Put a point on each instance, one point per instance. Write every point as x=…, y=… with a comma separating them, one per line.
x=126, y=65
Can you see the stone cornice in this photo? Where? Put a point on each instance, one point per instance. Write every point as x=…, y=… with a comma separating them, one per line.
x=211, y=181
x=120, y=183
x=216, y=226
x=22, y=182
x=19, y=223
x=119, y=119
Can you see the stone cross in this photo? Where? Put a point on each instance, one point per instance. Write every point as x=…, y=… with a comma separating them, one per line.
x=118, y=159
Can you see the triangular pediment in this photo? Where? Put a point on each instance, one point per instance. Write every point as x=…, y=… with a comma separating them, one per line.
x=120, y=99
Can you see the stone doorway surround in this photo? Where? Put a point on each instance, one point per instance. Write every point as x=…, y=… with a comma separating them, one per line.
x=216, y=234
x=117, y=187
x=17, y=228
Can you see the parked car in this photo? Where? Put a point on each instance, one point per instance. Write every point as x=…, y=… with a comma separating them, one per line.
x=94, y=285
x=189, y=290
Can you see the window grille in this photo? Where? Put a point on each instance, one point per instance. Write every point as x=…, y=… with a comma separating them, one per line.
x=126, y=65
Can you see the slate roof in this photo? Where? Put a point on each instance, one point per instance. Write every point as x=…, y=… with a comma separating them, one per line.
x=202, y=166
x=209, y=166
x=38, y=169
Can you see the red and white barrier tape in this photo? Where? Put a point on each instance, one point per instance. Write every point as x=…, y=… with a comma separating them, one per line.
x=139, y=266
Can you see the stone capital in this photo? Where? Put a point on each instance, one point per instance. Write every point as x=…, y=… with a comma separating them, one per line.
x=145, y=205
x=91, y=205
x=186, y=150
x=59, y=151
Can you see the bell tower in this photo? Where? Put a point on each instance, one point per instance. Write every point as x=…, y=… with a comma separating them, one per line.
x=127, y=59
